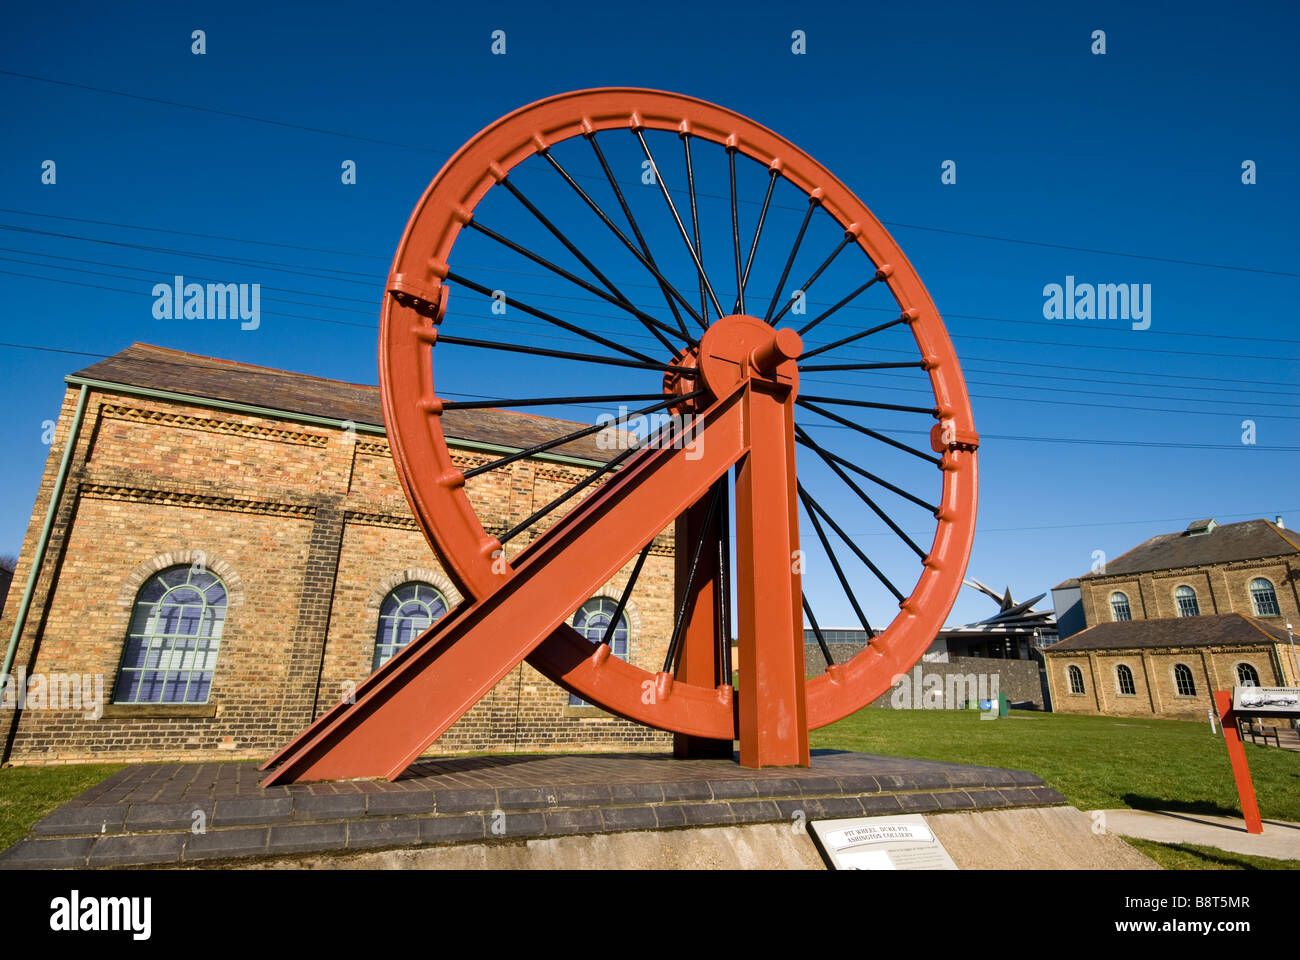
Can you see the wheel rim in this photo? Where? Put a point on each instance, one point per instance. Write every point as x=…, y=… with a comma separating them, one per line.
x=424, y=272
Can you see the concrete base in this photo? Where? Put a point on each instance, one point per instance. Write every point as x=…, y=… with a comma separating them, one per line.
x=1280, y=839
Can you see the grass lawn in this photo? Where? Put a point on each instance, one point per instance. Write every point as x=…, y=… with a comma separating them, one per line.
x=29, y=793
x=1096, y=762
x=1190, y=856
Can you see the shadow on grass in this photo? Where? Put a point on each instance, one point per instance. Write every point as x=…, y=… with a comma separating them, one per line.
x=1138, y=801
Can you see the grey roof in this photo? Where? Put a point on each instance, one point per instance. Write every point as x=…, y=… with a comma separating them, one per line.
x=159, y=368
x=1224, y=629
x=1247, y=540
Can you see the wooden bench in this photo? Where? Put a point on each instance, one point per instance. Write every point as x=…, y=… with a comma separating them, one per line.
x=1256, y=731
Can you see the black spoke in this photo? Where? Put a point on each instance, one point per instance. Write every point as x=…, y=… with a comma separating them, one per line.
x=835, y=563
x=914, y=364
x=549, y=318
x=564, y=355
x=636, y=230
x=559, y=235
x=794, y=252
x=604, y=218
x=807, y=285
x=862, y=495
x=735, y=233
x=543, y=401
x=608, y=638
x=649, y=322
x=817, y=632
x=688, y=594
x=868, y=431
x=695, y=221
x=578, y=487
x=681, y=227
x=814, y=505
x=932, y=411
x=576, y=435
x=802, y=437
x=758, y=232
x=850, y=338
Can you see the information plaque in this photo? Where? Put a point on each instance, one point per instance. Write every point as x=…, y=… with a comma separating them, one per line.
x=900, y=842
x=1266, y=701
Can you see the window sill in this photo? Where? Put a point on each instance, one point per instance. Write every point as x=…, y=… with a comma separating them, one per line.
x=150, y=711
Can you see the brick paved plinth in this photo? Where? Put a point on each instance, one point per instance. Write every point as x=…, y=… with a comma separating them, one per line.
x=172, y=814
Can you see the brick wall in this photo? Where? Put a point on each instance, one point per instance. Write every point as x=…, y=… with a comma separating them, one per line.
x=1220, y=588
x=1155, y=688
x=309, y=529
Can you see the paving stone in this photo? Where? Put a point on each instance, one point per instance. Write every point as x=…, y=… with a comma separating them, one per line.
x=452, y=829
x=687, y=790
x=571, y=821
x=636, y=793
x=524, y=798
x=955, y=800
x=708, y=814
x=670, y=815
x=629, y=818
x=216, y=844
x=67, y=819
x=582, y=794
x=176, y=815
x=815, y=785
x=784, y=787
x=388, y=804
x=47, y=853
x=298, y=837
x=839, y=807
x=755, y=811
x=732, y=789
x=1020, y=796
x=404, y=831
x=515, y=825
x=237, y=812
x=133, y=849
x=859, y=783
x=460, y=801
x=329, y=806
x=918, y=802
x=1048, y=795
x=880, y=805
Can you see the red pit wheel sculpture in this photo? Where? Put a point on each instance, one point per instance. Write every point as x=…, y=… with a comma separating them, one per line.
x=733, y=369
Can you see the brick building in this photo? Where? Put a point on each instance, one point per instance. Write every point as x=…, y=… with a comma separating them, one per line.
x=230, y=550
x=1157, y=629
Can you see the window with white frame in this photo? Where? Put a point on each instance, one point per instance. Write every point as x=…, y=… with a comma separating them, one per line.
x=1263, y=598
x=1185, y=597
x=1183, y=680
x=173, y=639
x=1076, y=679
x=1125, y=678
x=593, y=620
x=405, y=614
x=1119, y=608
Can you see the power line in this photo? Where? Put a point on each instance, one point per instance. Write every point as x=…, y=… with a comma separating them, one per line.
x=423, y=149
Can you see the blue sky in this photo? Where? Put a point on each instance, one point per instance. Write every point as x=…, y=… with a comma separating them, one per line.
x=1138, y=151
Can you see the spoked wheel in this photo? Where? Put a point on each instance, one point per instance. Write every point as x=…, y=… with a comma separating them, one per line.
x=691, y=265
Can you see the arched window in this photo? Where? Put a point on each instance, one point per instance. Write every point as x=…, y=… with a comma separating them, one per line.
x=405, y=614
x=171, y=644
x=1263, y=598
x=592, y=621
x=1183, y=679
x=1125, y=677
x=1247, y=676
x=1076, y=679
x=1119, y=608
x=1187, y=605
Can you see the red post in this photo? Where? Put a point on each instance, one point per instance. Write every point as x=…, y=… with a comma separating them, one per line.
x=773, y=712
x=1237, y=754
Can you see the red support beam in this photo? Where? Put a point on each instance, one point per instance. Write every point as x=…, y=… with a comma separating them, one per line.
x=1237, y=755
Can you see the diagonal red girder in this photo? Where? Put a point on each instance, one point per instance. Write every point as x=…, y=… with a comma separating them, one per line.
x=412, y=700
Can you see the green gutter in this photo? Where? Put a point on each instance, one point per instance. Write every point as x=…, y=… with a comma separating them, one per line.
x=38, y=560
x=477, y=445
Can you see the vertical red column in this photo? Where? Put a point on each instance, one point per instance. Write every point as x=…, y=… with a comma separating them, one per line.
x=773, y=717
x=1237, y=755
x=699, y=661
